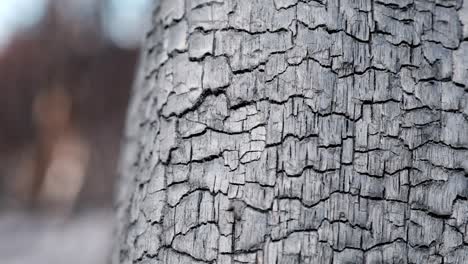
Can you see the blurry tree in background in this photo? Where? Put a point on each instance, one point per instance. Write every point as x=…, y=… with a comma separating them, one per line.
x=77, y=68
x=65, y=71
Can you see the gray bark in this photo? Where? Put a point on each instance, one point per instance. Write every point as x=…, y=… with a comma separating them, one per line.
x=298, y=131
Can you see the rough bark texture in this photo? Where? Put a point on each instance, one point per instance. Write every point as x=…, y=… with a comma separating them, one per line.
x=296, y=131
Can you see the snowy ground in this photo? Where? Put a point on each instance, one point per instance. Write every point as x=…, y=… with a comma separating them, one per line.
x=27, y=238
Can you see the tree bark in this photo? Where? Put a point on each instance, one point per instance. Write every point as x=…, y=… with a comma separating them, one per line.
x=298, y=131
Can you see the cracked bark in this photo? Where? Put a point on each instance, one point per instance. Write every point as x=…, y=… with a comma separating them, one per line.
x=298, y=131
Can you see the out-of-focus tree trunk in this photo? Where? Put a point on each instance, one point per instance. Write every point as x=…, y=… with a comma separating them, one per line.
x=52, y=171
x=287, y=131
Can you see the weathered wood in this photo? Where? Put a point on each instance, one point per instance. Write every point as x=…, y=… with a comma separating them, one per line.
x=298, y=131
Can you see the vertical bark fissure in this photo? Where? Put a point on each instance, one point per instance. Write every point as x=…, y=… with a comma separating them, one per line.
x=298, y=131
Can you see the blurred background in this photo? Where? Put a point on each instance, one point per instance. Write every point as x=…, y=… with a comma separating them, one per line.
x=66, y=68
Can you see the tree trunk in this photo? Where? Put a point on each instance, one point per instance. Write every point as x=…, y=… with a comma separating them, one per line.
x=298, y=131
